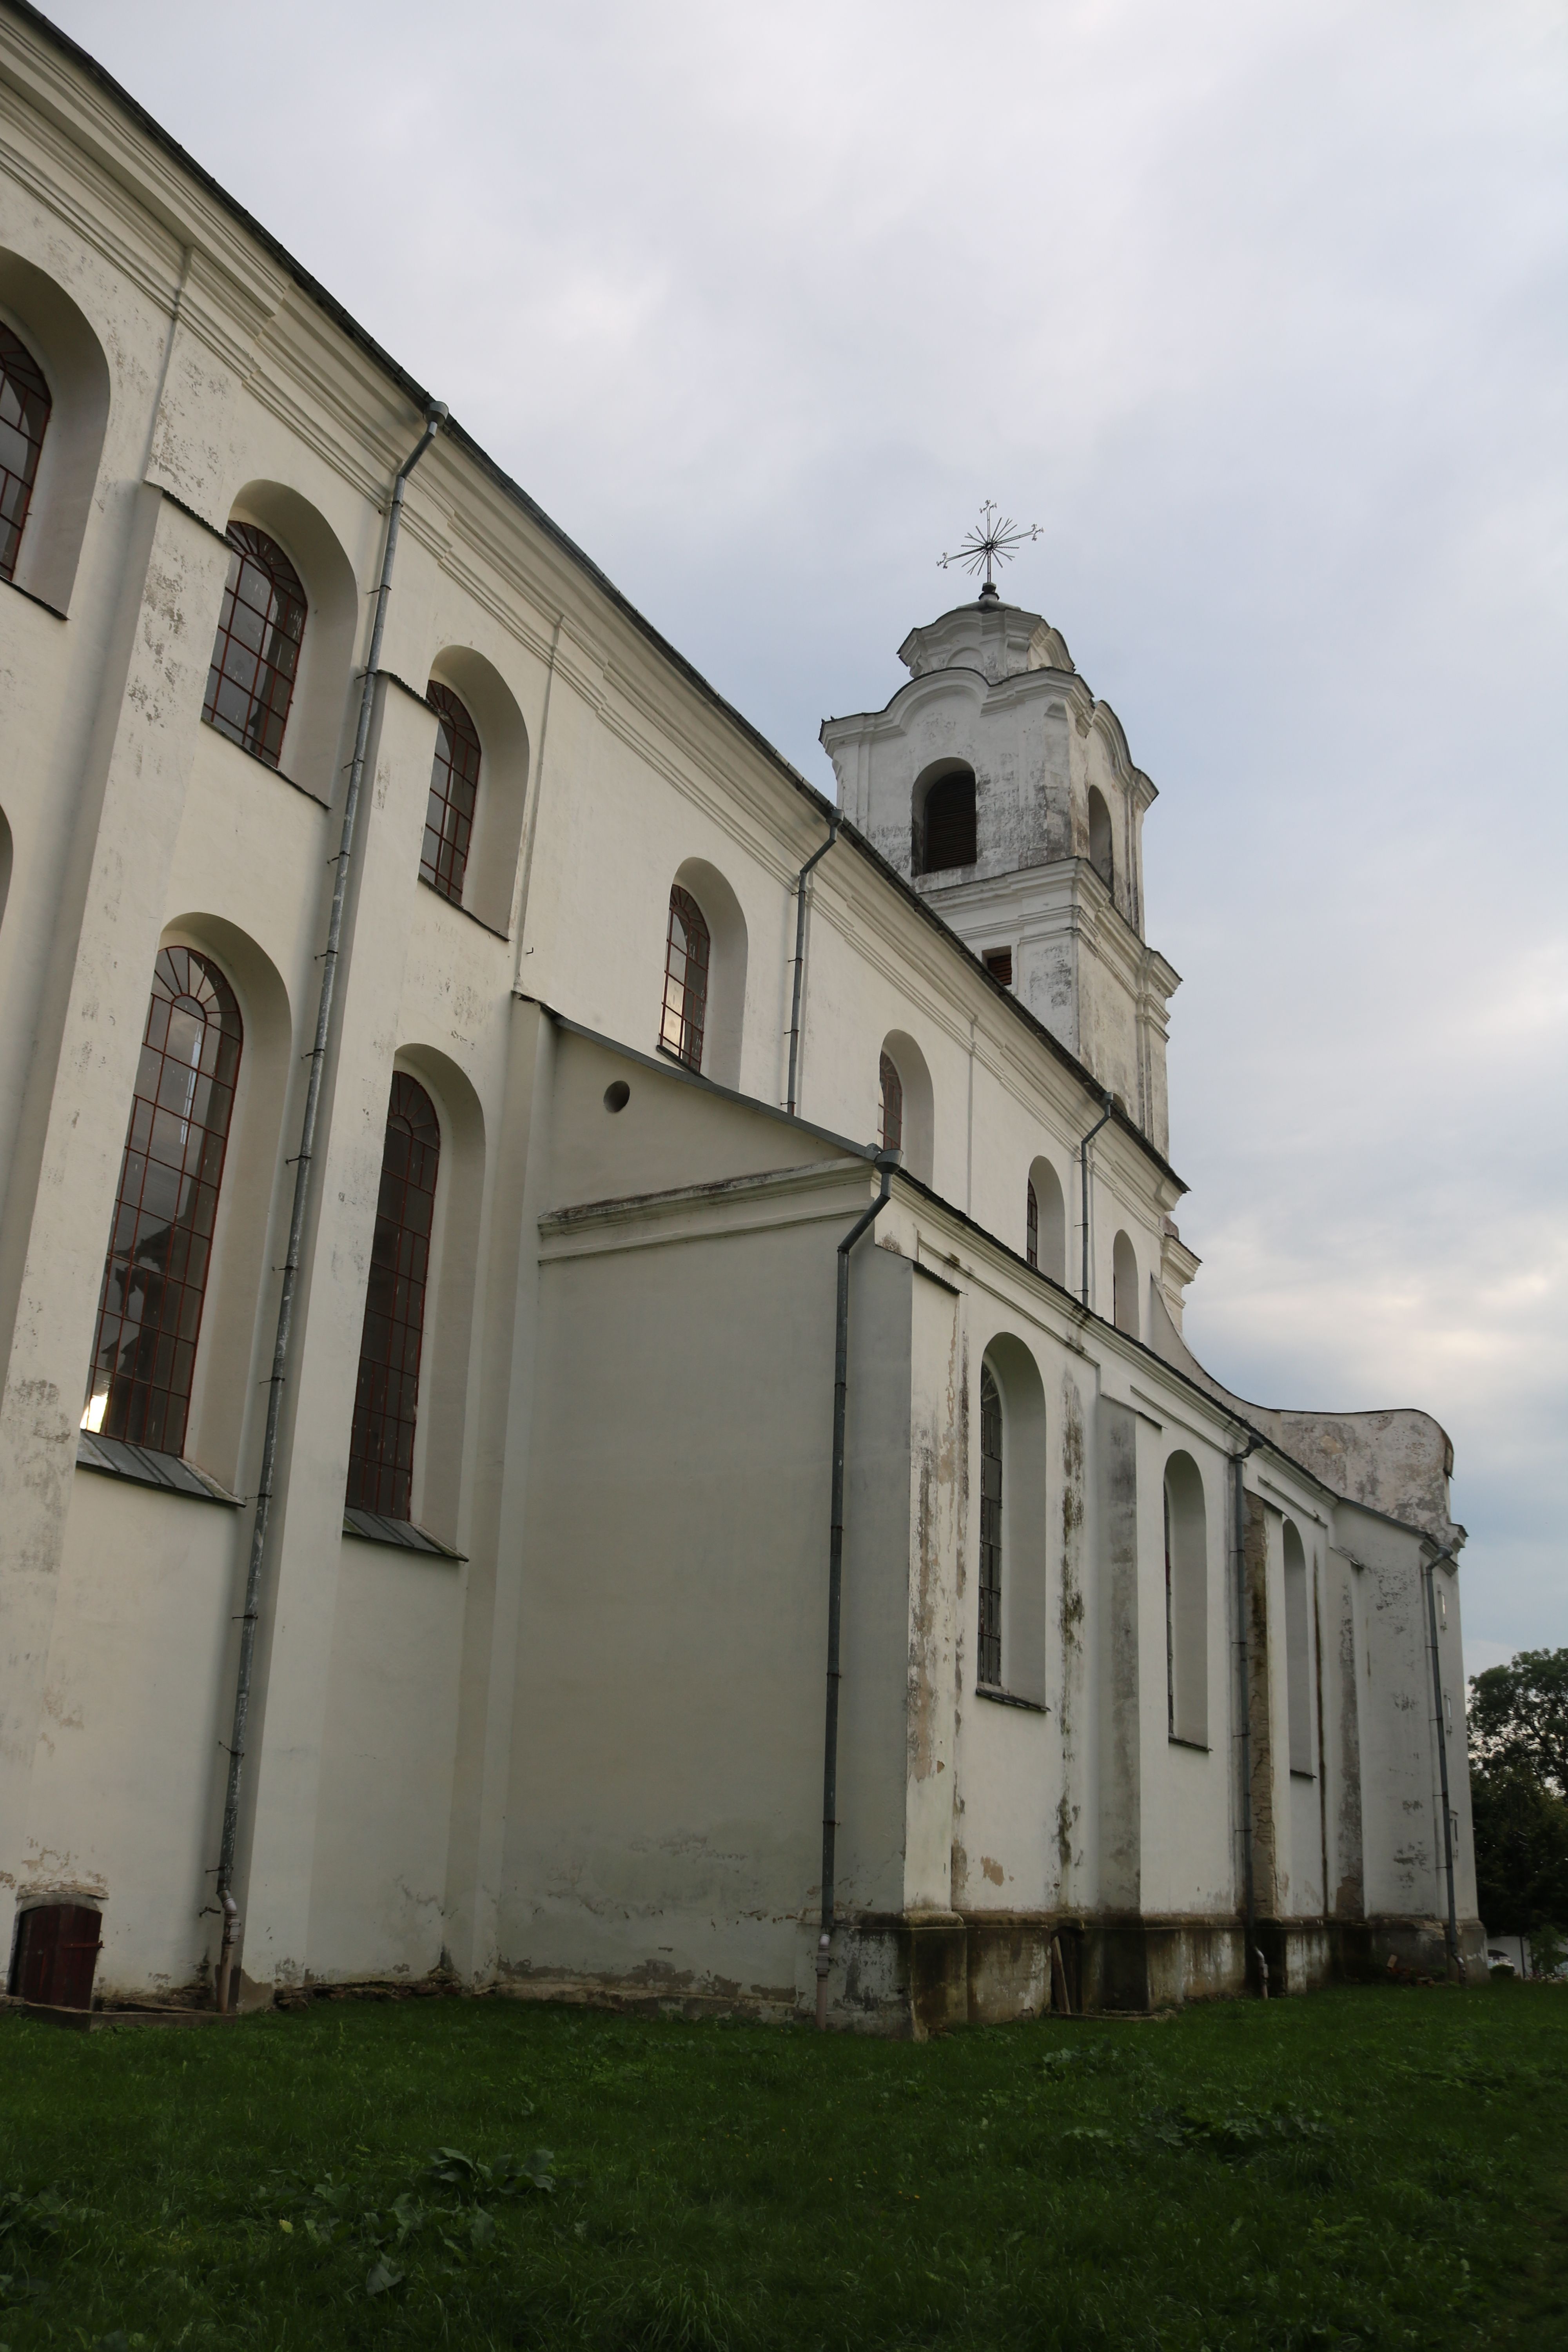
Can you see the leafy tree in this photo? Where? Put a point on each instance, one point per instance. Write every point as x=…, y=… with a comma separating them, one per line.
x=1521, y=1852
x=1518, y=1718
x=1518, y=1791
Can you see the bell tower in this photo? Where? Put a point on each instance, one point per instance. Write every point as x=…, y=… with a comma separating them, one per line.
x=1004, y=793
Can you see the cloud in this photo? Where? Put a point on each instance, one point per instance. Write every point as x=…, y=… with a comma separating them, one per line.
x=1261, y=312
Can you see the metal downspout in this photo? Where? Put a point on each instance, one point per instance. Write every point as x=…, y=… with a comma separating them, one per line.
x=1239, y=1507
x=887, y=1162
x=1109, y=1102
x=1455, y=1961
x=832, y=824
x=229, y=1960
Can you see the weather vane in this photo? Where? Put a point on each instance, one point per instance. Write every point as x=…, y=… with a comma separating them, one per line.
x=988, y=542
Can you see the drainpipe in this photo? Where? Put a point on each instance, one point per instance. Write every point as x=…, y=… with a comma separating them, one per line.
x=886, y=1161
x=1109, y=1102
x=1456, y=1962
x=1239, y=1507
x=280, y=1352
x=832, y=824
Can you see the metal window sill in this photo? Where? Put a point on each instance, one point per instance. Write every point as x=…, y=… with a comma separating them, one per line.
x=459, y=909
x=42, y=602
x=247, y=753
x=1198, y=1747
x=1010, y=1698
x=401, y=1534
x=144, y=1467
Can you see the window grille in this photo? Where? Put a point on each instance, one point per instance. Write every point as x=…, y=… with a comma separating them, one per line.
x=25, y=405
x=890, y=1107
x=256, y=654
x=990, y=1661
x=381, y=1450
x=454, y=792
x=155, y=1274
x=1032, y=1228
x=999, y=964
x=688, y=948
x=949, y=838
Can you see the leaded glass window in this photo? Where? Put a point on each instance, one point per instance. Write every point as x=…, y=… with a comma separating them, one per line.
x=387, y=1396
x=159, y=1249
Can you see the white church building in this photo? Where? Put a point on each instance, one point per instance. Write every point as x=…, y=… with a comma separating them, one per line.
x=593, y=1392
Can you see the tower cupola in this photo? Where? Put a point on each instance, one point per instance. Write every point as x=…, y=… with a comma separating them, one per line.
x=1004, y=793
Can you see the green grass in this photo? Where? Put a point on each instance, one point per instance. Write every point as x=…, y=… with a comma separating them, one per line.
x=1358, y=2167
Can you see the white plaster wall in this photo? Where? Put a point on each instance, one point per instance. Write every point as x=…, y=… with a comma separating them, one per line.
x=378, y=1870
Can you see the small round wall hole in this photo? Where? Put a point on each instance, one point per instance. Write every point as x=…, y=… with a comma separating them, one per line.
x=616, y=1097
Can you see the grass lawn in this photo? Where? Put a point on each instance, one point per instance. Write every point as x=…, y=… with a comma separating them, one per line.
x=1357, y=2167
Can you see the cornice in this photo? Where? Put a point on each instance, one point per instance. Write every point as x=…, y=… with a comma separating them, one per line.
x=1063, y=686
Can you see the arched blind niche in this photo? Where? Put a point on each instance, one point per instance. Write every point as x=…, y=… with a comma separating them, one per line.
x=25, y=405
x=454, y=795
x=256, y=654
x=945, y=832
x=386, y=1395
x=688, y=948
x=1186, y=1602
x=159, y=1249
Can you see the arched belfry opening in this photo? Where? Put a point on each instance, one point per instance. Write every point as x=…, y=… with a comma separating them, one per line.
x=944, y=825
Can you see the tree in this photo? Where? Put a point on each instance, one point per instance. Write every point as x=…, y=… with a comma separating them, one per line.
x=1518, y=1718
x=1518, y=1791
x=1521, y=1852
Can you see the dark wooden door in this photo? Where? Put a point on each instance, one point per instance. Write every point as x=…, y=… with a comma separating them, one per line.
x=56, y=1952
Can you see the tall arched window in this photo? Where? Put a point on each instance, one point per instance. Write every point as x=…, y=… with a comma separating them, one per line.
x=688, y=948
x=949, y=828
x=454, y=795
x=989, y=1663
x=1101, y=855
x=256, y=654
x=155, y=1276
x=1186, y=1602
x=1124, y=1285
x=890, y=1106
x=1297, y=1652
x=381, y=1450
x=25, y=405
x=1047, y=1222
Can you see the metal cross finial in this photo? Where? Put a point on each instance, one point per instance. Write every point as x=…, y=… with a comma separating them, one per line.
x=988, y=542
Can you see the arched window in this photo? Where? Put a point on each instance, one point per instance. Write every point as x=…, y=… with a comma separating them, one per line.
x=1124, y=1285
x=989, y=1663
x=1298, y=1652
x=256, y=654
x=1186, y=1602
x=687, y=951
x=949, y=826
x=454, y=795
x=1045, y=1228
x=890, y=1106
x=155, y=1276
x=25, y=405
x=381, y=1450
x=1101, y=853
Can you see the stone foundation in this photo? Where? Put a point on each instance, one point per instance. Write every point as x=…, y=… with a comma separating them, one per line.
x=932, y=1973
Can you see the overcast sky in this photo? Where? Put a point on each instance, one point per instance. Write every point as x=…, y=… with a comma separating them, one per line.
x=1260, y=310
